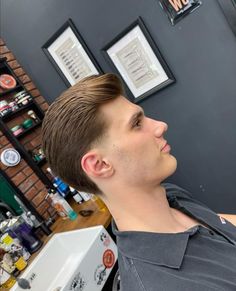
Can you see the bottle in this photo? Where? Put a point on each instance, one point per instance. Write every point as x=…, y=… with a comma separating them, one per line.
x=10, y=244
x=6, y=261
x=62, y=187
x=61, y=205
x=85, y=196
x=61, y=192
x=15, y=250
x=75, y=194
x=6, y=280
x=100, y=204
x=26, y=212
x=20, y=230
x=56, y=204
x=18, y=260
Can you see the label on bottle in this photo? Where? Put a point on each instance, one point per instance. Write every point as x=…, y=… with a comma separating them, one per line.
x=20, y=264
x=4, y=276
x=78, y=198
x=7, y=239
x=86, y=196
x=60, y=209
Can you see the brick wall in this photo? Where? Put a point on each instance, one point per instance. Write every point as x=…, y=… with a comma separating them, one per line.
x=22, y=175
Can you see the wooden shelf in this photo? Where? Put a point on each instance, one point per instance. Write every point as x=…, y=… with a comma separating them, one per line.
x=29, y=129
x=9, y=91
x=13, y=113
x=5, y=128
x=42, y=162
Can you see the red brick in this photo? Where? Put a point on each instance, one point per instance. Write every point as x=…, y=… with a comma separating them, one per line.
x=25, y=79
x=39, y=198
x=30, y=86
x=18, y=178
x=4, y=141
x=27, y=171
x=31, y=193
x=14, y=64
x=39, y=185
x=44, y=106
x=35, y=92
x=9, y=56
x=3, y=49
x=19, y=72
x=3, y=167
x=42, y=208
x=12, y=171
x=39, y=99
x=24, y=186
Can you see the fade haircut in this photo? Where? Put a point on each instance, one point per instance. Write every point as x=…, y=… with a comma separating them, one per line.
x=73, y=124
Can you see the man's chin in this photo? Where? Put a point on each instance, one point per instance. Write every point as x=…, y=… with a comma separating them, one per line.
x=173, y=166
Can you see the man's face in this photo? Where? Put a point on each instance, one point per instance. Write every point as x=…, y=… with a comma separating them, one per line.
x=135, y=145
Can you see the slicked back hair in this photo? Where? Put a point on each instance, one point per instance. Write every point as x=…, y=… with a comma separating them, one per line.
x=73, y=124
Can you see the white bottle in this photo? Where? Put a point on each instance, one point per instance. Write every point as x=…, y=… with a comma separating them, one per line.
x=62, y=206
x=85, y=196
x=76, y=195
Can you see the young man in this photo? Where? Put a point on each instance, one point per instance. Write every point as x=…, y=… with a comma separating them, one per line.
x=97, y=141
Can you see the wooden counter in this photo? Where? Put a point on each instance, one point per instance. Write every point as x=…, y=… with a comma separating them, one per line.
x=98, y=217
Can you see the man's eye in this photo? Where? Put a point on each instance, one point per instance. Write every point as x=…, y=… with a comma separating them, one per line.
x=137, y=123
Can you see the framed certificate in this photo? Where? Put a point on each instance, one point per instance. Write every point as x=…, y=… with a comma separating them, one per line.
x=69, y=55
x=134, y=55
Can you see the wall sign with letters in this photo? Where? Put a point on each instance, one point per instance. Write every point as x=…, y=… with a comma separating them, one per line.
x=177, y=9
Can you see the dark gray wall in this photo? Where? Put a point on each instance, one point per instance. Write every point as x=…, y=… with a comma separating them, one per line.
x=200, y=108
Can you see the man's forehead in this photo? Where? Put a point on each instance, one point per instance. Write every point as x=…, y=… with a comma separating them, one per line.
x=119, y=110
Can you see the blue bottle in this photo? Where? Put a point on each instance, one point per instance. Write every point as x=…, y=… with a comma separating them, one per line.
x=62, y=187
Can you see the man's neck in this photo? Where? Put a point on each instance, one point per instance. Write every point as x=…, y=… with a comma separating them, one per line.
x=140, y=210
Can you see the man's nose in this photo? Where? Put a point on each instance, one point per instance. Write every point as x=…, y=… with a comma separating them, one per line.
x=161, y=128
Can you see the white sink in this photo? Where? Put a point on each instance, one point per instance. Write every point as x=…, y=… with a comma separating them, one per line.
x=79, y=260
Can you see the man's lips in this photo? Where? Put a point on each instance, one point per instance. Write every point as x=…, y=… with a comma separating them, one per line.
x=166, y=148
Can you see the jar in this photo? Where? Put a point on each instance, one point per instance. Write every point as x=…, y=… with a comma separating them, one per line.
x=18, y=129
x=20, y=94
x=6, y=280
x=23, y=231
x=13, y=106
x=4, y=107
x=27, y=123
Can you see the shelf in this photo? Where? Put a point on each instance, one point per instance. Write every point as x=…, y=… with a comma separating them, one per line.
x=16, y=140
x=8, y=116
x=9, y=90
x=42, y=162
x=28, y=129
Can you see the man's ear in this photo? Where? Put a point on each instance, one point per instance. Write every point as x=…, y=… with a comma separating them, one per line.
x=96, y=166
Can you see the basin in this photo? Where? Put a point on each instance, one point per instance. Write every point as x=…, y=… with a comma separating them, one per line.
x=78, y=260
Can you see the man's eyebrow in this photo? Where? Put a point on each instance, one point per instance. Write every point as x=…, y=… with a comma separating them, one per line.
x=135, y=117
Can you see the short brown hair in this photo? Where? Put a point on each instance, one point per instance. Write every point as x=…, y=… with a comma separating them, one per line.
x=72, y=124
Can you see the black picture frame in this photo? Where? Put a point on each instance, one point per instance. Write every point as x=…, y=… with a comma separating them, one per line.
x=67, y=44
x=125, y=44
x=229, y=9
